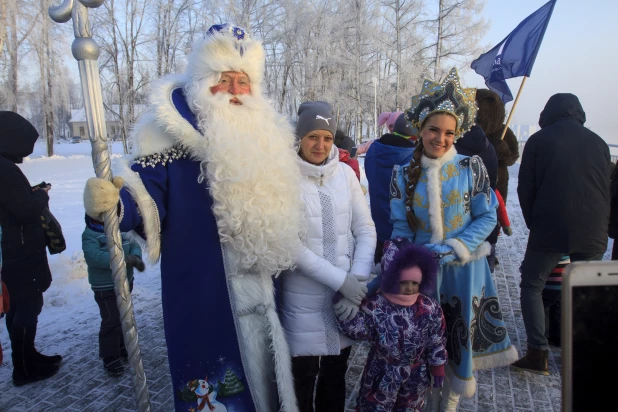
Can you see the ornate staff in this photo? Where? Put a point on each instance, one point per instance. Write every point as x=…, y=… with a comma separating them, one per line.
x=86, y=52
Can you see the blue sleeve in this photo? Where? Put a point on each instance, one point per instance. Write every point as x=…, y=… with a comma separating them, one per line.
x=144, y=194
x=483, y=206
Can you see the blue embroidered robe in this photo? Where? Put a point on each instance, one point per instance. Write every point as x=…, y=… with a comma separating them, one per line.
x=209, y=355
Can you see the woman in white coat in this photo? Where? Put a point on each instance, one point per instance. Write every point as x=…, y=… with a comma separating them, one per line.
x=337, y=256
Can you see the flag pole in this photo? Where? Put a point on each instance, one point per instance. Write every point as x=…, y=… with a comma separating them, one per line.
x=508, y=120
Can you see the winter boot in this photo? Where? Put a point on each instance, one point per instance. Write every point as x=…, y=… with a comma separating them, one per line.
x=535, y=361
x=25, y=368
x=433, y=398
x=36, y=356
x=113, y=365
x=450, y=399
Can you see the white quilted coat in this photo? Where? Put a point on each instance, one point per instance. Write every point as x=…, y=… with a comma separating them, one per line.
x=341, y=239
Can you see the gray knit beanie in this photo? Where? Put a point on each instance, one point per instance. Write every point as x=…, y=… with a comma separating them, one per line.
x=315, y=116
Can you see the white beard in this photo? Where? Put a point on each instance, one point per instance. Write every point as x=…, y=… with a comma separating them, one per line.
x=249, y=162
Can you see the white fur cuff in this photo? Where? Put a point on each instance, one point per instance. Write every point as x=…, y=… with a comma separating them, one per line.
x=496, y=360
x=460, y=249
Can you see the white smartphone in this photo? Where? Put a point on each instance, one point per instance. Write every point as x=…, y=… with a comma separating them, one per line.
x=589, y=335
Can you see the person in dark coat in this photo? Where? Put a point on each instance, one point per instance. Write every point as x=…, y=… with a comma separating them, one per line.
x=490, y=117
x=391, y=149
x=564, y=196
x=25, y=270
x=343, y=142
x=474, y=142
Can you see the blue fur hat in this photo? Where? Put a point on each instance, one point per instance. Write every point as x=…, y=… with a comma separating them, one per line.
x=400, y=254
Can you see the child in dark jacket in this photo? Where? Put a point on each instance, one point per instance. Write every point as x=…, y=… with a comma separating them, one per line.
x=94, y=245
x=407, y=331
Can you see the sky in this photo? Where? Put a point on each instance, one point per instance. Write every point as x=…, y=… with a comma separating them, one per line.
x=579, y=55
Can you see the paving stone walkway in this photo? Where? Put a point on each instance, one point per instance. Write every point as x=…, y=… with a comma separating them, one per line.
x=82, y=385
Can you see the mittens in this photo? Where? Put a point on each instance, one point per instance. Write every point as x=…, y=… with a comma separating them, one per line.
x=507, y=230
x=345, y=310
x=443, y=254
x=352, y=289
x=135, y=262
x=101, y=196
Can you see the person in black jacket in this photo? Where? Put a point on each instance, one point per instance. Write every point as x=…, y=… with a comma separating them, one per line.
x=475, y=142
x=25, y=270
x=564, y=196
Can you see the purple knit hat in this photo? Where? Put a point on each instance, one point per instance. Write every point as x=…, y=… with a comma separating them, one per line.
x=399, y=254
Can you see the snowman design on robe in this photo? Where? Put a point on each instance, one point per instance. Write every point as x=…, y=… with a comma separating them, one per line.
x=206, y=396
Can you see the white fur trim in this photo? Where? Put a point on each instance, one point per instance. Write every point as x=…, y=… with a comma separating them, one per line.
x=283, y=364
x=163, y=126
x=434, y=197
x=264, y=349
x=482, y=251
x=495, y=360
x=148, y=138
x=441, y=161
x=218, y=53
x=465, y=388
x=147, y=208
x=460, y=249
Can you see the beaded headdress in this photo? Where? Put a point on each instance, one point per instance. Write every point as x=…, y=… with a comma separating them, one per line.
x=446, y=97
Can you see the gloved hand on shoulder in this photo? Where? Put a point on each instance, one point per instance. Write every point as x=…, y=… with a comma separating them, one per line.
x=352, y=289
x=101, y=195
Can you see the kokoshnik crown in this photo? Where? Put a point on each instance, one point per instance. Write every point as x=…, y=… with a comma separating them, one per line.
x=445, y=97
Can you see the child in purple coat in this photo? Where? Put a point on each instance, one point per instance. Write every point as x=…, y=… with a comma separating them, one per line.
x=407, y=331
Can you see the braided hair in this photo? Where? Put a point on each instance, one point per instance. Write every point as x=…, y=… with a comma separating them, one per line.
x=414, y=173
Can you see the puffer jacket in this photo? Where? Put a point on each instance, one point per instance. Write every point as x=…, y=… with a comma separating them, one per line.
x=340, y=239
x=96, y=254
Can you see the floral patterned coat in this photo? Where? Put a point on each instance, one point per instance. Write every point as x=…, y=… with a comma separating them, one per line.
x=405, y=342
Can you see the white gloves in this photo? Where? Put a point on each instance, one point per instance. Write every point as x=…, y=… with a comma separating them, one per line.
x=353, y=290
x=345, y=310
x=101, y=196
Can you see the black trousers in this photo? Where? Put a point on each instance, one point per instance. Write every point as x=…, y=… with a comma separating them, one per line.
x=330, y=372
x=24, y=311
x=110, y=334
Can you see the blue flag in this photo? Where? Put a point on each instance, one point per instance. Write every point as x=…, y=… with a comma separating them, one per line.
x=514, y=56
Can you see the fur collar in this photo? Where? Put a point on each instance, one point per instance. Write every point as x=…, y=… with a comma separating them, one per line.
x=441, y=161
x=324, y=171
x=162, y=127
